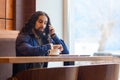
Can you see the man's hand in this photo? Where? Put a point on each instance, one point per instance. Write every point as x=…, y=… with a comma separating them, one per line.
x=58, y=46
x=52, y=30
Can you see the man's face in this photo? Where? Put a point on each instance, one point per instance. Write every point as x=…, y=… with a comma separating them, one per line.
x=41, y=23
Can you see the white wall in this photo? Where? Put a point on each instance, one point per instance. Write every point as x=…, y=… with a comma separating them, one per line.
x=54, y=8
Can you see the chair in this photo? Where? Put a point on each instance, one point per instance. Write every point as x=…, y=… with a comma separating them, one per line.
x=99, y=72
x=58, y=73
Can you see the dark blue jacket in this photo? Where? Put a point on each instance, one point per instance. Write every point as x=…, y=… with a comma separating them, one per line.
x=26, y=45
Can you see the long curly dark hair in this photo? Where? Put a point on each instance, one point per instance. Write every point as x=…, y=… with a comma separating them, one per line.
x=31, y=23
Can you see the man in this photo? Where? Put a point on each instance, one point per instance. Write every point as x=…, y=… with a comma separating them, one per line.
x=36, y=38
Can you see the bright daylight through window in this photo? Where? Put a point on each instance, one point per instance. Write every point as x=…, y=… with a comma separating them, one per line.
x=94, y=26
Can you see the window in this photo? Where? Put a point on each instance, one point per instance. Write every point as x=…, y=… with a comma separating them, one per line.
x=94, y=26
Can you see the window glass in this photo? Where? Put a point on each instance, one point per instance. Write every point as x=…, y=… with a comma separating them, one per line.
x=94, y=26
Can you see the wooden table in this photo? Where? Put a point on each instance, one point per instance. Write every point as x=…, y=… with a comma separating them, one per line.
x=103, y=71
x=34, y=59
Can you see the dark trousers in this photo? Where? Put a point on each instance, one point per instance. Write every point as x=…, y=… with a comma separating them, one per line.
x=69, y=63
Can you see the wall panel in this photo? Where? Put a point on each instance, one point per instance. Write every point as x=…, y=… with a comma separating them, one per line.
x=2, y=24
x=24, y=11
x=2, y=14
x=7, y=8
x=2, y=8
x=9, y=25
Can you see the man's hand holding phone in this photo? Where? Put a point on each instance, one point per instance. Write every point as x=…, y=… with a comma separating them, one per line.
x=52, y=30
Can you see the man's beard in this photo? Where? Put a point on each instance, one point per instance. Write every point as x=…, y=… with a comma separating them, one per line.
x=41, y=34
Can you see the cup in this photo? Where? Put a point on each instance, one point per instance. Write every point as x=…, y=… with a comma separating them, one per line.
x=54, y=52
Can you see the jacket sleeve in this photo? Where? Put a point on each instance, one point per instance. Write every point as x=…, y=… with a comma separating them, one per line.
x=24, y=47
x=56, y=40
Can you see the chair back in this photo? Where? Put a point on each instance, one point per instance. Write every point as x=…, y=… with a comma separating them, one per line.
x=58, y=73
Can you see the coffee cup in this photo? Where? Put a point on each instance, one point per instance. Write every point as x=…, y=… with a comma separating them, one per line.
x=54, y=52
